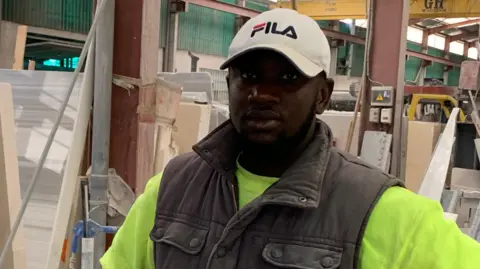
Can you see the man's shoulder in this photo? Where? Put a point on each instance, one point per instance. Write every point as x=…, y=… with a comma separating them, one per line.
x=180, y=169
x=180, y=162
x=183, y=158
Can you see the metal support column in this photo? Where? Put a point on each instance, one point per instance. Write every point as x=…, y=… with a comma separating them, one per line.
x=351, y=50
x=239, y=20
x=423, y=66
x=101, y=123
x=335, y=25
x=385, y=56
x=172, y=36
x=446, y=69
x=466, y=46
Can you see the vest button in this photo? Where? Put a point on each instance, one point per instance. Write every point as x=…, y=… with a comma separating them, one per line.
x=221, y=252
x=159, y=232
x=327, y=262
x=194, y=243
x=276, y=253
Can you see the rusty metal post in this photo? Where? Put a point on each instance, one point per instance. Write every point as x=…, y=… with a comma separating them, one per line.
x=386, y=66
x=136, y=46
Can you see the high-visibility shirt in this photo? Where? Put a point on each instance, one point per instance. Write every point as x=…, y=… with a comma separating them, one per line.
x=404, y=231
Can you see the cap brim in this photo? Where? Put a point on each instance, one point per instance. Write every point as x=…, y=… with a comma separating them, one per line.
x=302, y=63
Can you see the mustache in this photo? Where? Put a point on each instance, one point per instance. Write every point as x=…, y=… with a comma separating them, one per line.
x=263, y=113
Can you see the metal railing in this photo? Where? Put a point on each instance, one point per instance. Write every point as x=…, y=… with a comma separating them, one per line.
x=220, y=88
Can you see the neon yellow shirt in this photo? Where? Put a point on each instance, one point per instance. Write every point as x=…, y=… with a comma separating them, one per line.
x=405, y=231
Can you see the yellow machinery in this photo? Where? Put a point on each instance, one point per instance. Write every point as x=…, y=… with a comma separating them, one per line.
x=442, y=99
x=355, y=9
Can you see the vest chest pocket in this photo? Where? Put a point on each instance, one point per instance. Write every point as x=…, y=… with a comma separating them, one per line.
x=301, y=257
x=178, y=245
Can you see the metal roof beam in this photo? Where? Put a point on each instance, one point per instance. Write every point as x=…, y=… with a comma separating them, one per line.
x=247, y=12
x=56, y=33
x=221, y=6
x=436, y=30
x=416, y=54
x=464, y=35
x=414, y=21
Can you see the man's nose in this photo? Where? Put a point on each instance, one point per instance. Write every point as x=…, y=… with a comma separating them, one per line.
x=262, y=94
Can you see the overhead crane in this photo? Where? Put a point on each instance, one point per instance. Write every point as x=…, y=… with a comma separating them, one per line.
x=356, y=9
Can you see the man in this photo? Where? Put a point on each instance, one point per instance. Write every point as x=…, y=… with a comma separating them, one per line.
x=267, y=190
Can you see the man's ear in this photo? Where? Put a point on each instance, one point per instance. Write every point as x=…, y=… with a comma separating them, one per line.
x=227, y=78
x=323, y=98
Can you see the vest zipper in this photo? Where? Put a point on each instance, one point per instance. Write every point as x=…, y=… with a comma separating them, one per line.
x=234, y=198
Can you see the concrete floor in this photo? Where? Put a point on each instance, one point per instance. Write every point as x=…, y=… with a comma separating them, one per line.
x=37, y=97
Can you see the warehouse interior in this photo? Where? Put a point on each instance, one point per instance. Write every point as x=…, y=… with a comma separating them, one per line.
x=113, y=89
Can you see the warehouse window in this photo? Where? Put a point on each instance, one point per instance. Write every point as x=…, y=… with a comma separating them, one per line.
x=473, y=53
x=52, y=62
x=414, y=35
x=456, y=47
x=436, y=41
x=66, y=62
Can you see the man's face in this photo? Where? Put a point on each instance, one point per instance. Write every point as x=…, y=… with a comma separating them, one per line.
x=270, y=101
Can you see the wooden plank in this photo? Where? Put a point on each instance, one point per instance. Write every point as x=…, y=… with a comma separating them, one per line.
x=12, y=45
x=20, y=47
x=10, y=199
x=435, y=176
x=70, y=187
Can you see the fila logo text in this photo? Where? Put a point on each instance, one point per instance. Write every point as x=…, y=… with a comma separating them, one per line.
x=271, y=28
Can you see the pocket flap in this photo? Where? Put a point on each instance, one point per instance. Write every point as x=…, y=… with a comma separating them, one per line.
x=187, y=238
x=302, y=257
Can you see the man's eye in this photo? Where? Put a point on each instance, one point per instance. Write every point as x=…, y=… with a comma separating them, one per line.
x=248, y=75
x=290, y=76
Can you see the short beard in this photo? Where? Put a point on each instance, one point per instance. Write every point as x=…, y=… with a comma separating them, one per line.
x=284, y=144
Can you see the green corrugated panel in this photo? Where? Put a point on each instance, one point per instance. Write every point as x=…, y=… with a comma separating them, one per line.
x=414, y=46
x=456, y=58
x=454, y=73
x=343, y=50
x=66, y=15
x=257, y=5
x=323, y=23
x=358, y=50
x=77, y=15
x=412, y=64
x=435, y=70
x=208, y=31
x=12, y=10
x=357, y=61
x=453, y=76
x=204, y=30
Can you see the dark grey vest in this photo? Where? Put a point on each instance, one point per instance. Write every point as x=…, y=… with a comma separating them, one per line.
x=314, y=217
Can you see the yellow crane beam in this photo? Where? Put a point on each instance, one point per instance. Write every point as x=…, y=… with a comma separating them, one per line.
x=356, y=9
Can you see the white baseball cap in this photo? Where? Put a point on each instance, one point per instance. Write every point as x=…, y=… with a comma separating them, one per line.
x=295, y=36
